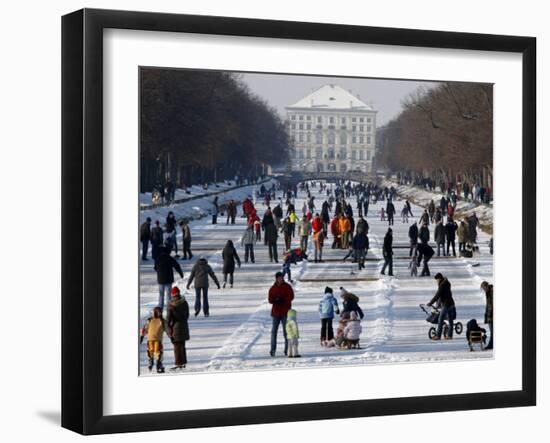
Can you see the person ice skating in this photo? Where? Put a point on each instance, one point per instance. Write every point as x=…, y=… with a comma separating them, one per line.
x=157, y=239
x=280, y=297
x=413, y=239
x=292, y=334
x=229, y=256
x=382, y=214
x=271, y=235
x=462, y=234
x=335, y=231
x=444, y=298
x=424, y=234
x=170, y=239
x=328, y=306
x=200, y=273
x=431, y=210
x=439, y=236
x=248, y=240
x=231, y=212
x=387, y=251
x=258, y=229
x=318, y=241
x=145, y=237
x=186, y=235
x=450, y=234
x=345, y=231
x=304, y=231
x=488, y=289
x=352, y=331
x=178, y=327
x=154, y=329
x=286, y=230
x=165, y=265
x=215, y=210
x=350, y=303
x=425, y=253
x=405, y=214
x=425, y=218
x=390, y=211
x=408, y=206
x=360, y=245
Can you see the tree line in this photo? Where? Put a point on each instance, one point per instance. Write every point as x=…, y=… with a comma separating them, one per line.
x=443, y=133
x=204, y=126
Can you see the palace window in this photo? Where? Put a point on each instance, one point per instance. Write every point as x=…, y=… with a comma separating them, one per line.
x=331, y=153
x=331, y=120
x=301, y=117
x=293, y=117
x=319, y=152
x=301, y=126
x=354, y=154
x=368, y=139
x=361, y=128
x=354, y=139
x=369, y=128
x=308, y=137
x=319, y=137
x=369, y=120
x=361, y=120
x=293, y=126
x=368, y=155
x=319, y=120
x=343, y=138
x=300, y=137
x=354, y=128
x=361, y=139
x=361, y=155
x=308, y=118
x=343, y=154
x=343, y=167
x=343, y=120
x=331, y=138
x=308, y=126
x=353, y=120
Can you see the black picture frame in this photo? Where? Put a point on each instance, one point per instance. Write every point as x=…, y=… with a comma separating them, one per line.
x=82, y=190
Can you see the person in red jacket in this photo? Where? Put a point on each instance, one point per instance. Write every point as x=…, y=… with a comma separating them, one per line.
x=280, y=297
x=317, y=224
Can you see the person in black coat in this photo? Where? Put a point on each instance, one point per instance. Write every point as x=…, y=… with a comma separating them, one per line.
x=444, y=299
x=413, y=237
x=157, y=239
x=425, y=253
x=424, y=234
x=145, y=237
x=360, y=245
x=165, y=265
x=390, y=211
x=387, y=251
x=450, y=234
x=178, y=327
x=229, y=256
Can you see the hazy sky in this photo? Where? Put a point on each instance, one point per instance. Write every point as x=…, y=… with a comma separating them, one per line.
x=384, y=95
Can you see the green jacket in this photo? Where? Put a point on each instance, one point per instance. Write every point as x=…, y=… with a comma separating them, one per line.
x=291, y=325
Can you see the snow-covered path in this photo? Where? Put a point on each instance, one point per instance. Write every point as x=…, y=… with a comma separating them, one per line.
x=236, y=336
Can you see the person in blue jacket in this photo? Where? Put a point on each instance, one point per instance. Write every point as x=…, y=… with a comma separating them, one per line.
x=327, y=307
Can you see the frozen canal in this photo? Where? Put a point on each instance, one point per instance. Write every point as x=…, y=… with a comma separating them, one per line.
x=236, y=336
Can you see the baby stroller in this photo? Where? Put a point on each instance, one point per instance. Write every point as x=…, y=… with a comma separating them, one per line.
x=433, y=318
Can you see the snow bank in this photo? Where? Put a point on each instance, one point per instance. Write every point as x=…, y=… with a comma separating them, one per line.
x=197, y=208
x=421, y=197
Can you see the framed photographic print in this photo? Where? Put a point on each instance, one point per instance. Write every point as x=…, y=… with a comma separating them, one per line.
x=256, y=210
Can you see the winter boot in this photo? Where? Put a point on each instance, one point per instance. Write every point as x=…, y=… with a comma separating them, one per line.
x=160, y=367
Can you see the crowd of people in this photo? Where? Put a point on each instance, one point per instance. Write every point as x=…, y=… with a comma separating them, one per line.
x=326, y=210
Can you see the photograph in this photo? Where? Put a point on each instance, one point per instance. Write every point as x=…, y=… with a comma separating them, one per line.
x=291, y=221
